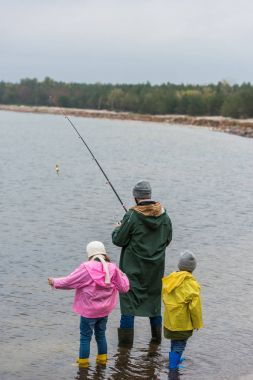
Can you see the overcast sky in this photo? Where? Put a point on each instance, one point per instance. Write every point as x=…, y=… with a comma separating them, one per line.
x=127, y=41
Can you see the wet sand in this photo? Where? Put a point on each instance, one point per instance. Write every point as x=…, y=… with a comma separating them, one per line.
x=240, y=127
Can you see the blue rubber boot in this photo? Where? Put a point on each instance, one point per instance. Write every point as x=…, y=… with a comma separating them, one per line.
x=174, y=359
x=181, y=360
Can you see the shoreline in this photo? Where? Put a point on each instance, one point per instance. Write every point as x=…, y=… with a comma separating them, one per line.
x=239, y=127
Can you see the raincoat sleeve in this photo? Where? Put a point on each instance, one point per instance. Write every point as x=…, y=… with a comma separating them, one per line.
x=122, y=234
x=120, y=280
x=170, y=233
x=196, y=311
x=77, y=279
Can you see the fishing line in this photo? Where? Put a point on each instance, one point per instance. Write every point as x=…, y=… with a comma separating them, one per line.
x=94, y=158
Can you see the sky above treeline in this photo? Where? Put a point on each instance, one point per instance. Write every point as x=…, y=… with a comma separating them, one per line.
x=127, y=41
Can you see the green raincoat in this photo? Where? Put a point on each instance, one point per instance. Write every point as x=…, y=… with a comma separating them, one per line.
x=144, y=234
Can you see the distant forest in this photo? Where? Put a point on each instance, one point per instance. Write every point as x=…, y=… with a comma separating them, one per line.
x=196, y=100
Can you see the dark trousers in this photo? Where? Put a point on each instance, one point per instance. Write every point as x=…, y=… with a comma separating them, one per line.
x=127, y=321
x=178, y=346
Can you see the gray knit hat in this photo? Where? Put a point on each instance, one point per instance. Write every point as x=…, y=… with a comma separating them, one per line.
x=187, y=261
x=142, y=190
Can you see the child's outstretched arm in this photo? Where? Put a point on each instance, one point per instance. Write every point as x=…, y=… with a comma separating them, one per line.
x=120, y=280
x=77, y=279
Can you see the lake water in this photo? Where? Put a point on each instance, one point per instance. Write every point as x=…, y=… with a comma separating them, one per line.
x=205, y=181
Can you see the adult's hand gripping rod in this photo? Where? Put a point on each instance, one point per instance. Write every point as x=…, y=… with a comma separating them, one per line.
x=94, y=158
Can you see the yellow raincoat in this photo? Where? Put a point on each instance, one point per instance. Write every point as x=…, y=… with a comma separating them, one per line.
x=182, y=304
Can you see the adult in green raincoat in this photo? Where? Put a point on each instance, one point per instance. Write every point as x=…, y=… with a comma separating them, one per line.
x=143, y=234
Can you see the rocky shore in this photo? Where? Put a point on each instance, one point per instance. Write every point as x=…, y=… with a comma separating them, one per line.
x=242, y=127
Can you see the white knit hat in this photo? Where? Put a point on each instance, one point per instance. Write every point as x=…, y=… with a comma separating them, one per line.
x=96, y=250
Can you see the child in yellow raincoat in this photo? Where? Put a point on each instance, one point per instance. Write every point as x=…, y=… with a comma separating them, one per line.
x=182, y=307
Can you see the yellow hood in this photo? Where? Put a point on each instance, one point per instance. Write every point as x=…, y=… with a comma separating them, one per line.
x=174, y=280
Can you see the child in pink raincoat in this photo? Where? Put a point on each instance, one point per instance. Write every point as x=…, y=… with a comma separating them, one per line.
x=97, y=283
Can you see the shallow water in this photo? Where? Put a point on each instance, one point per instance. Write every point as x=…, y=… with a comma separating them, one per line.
x=203, y=178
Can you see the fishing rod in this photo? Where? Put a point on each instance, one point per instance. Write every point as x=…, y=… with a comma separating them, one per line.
x=94, y=158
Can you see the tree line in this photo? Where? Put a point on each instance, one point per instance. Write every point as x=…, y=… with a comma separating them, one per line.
x=183, y=99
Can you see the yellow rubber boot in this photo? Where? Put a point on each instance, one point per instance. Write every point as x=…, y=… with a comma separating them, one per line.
x=101, y=359
x=83, y=363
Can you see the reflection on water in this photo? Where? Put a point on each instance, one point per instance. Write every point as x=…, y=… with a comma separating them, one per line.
x=205, y=181
x=125, y=365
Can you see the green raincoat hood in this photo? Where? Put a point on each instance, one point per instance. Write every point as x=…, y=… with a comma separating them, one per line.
x=151, y=215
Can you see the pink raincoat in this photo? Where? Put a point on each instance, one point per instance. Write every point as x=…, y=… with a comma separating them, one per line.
x=94, y=298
